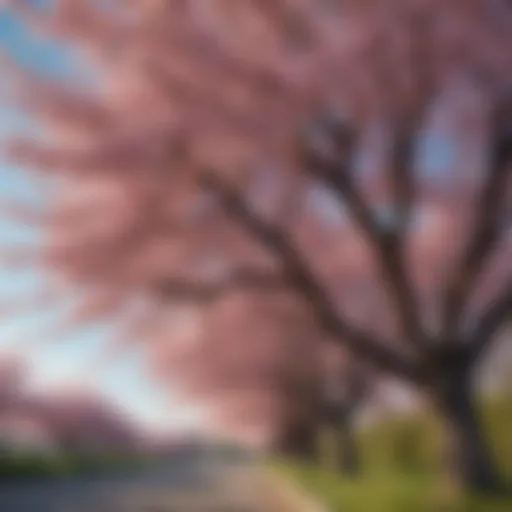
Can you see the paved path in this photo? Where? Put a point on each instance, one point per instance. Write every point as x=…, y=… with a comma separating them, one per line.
x=198, y=484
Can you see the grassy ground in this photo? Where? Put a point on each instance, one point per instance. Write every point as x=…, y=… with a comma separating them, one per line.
x=402, y=469
x=27, y=465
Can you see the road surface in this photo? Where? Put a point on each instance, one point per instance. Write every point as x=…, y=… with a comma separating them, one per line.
x=194, y=484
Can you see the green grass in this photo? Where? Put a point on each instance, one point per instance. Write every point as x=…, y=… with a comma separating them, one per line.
x=402, y=469
x=387, y=491
x=21, y=466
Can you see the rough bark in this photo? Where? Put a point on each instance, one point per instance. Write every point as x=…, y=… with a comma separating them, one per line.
x=470, y=464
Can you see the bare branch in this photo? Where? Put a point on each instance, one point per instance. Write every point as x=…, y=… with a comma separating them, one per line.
x=306, y=283
x=498, y=313
x=408, y=126
x=484, y=238
x=387, y=244
x=402, y=178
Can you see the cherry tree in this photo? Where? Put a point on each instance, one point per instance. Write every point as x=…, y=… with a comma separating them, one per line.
x=223, y=133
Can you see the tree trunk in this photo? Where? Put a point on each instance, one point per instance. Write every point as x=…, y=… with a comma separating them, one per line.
x=469, y=461
x=299, y=440
x=347, y=453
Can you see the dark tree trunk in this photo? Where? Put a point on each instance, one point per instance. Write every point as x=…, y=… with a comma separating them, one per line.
x=469, y=460
x=347, y=453
x=299, y=440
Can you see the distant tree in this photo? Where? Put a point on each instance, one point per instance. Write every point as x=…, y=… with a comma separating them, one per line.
x=12, y=379
x=74, y=420
x=253, y=359
x=84, y=423
x=223, y=136
x=347, y=388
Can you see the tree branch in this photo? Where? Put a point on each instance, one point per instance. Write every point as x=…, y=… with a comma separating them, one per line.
x=495, y=316
x=304, y=281
x=484, y=238
x=402, y=178
x=387, y=244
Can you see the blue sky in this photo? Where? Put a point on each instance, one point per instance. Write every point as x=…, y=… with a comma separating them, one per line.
x=73, y=357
